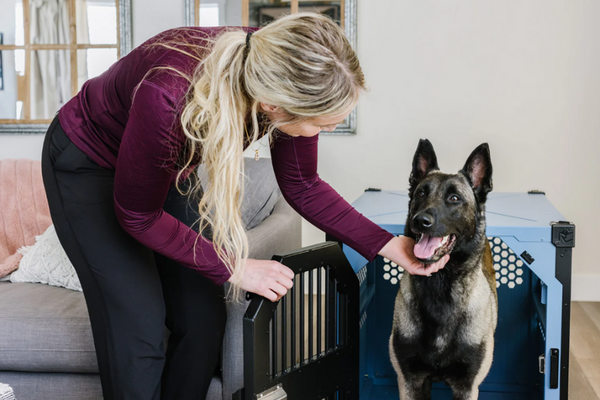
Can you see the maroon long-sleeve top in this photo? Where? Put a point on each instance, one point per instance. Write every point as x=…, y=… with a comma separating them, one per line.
x=127, y=120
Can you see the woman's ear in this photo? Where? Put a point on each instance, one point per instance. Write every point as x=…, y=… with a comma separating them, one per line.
x=268, y=108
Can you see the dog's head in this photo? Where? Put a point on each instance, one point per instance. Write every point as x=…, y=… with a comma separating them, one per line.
x=446, y=211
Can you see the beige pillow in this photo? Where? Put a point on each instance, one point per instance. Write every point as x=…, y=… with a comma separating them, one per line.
x=46, y=262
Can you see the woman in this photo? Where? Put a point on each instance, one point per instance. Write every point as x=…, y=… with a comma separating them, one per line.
x=116, y=166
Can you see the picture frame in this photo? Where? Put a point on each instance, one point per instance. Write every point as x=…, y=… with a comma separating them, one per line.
x=267, y=14
x=1, y=70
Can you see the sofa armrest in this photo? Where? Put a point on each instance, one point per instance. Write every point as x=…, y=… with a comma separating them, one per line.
x=279, y=233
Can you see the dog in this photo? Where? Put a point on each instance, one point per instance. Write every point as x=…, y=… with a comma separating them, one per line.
x=444, y=324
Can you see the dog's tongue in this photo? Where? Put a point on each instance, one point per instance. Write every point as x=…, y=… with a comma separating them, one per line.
x=427, y=246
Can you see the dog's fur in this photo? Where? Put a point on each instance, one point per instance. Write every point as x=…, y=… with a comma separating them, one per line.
x=444, y=324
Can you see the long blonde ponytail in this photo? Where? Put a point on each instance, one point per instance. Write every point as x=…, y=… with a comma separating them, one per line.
x=301, y=63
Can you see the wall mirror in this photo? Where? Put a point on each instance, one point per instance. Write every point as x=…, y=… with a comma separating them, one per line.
x=260, y=12
x=49, y=48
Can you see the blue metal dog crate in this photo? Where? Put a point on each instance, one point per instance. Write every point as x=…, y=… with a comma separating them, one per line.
x=532, y=247
x=327, y=339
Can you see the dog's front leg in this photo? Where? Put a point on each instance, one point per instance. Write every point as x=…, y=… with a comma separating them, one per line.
x=415, y=387
x=470, y=390
x=411, y=387
x=471, y=393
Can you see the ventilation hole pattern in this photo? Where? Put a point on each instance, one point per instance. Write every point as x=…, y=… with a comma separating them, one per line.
x=362, y=275
x=363, y=319
x=542, y=331
x=508, y=266
x=392, y=272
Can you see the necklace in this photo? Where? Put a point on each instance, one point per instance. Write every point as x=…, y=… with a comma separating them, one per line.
x=256, y=156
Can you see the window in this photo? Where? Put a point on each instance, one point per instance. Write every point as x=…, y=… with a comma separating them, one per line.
x=48, y=52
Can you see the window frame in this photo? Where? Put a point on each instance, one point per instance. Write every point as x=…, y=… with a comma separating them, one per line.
x=28, y=125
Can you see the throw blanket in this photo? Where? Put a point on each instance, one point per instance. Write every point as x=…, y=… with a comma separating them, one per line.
x=24, y=212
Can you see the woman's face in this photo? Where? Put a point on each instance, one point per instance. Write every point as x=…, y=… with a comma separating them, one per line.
x=309, y=127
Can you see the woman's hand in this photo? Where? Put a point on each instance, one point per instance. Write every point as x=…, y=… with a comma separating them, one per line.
x=269, y=279
x=400, y=250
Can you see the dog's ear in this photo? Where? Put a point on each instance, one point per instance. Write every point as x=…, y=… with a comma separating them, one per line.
x=424, y=162
x=478, y=169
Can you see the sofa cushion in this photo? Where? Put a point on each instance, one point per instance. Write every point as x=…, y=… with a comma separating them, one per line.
x=44, y=328
x=261, y=191
x=47, y=329
x=57, y=386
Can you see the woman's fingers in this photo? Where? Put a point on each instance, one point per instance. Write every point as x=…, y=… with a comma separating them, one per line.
x=418, y=269
x=269, y=295
x=282, y=278
x=278, y=289
x=269, y=279
x=286, y=271
x=435, y=267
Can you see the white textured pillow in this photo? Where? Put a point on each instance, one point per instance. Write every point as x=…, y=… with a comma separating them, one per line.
x=46, y=262
x=6, y=392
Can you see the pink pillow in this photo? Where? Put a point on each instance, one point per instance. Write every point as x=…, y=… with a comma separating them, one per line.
x=24, y=212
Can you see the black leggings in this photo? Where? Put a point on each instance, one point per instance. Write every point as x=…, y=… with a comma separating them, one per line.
x=131, y=291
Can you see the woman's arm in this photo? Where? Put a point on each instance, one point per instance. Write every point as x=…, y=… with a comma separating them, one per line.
x=295, y=164
x=144, y=172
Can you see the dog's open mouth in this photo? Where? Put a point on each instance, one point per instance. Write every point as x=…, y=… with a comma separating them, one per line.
x=430, y=248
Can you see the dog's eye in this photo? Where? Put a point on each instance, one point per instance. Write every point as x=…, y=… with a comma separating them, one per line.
x=454, y=198
x=421, y=193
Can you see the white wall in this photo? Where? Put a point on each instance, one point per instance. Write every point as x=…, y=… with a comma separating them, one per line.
x=522, y=76
x=154, y=16
x=8, y=96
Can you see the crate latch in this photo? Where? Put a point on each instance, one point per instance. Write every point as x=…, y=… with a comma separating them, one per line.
x=274, y=393
x=554, y=368
x=542, y=363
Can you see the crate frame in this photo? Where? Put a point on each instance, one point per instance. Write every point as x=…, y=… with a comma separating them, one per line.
x=544, y=240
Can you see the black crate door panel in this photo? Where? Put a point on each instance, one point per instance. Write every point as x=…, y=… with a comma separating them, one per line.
x=307, y=343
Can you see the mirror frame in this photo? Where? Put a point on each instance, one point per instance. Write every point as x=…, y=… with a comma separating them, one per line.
x=350, y=24
x=125, y=47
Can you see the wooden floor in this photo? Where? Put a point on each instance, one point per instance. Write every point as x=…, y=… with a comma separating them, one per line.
x=584, y=378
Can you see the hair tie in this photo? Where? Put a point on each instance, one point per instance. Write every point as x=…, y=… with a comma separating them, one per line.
x=248, y=40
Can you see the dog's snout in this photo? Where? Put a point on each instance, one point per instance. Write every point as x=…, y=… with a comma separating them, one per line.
x=423, y=220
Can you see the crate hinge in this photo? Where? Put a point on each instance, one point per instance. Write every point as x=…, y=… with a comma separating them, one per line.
x=274, y=393
x=563, y=234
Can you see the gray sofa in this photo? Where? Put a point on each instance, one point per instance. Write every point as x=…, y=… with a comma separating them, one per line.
x=46, y=347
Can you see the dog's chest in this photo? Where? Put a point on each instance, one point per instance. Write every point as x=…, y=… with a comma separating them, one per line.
x=448, y=316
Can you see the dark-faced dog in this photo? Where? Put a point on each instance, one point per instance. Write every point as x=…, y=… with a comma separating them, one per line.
x=444, y=324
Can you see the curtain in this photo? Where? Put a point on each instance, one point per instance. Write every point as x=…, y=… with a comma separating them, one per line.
x=83, y=36
x=51, y=69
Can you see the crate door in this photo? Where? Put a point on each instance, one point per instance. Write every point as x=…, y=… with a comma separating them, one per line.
x=306, y=346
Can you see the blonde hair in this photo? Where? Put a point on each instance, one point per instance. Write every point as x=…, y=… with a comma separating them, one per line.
x=301, y=63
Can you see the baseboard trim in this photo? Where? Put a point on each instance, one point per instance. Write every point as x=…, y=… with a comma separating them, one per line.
x=585, y=287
